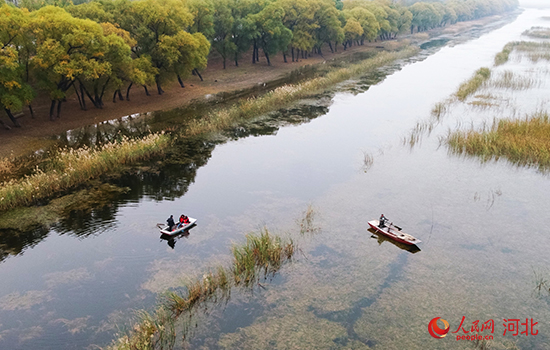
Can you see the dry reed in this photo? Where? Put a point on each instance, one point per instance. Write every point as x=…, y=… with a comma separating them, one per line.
x=521, y=141
x=70, y=167
x=471, y=86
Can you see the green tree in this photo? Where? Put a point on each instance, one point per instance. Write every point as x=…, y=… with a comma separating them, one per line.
x=269, y=32
x=15, y=92
x=67, y=48
x=330, y=28
x=223, y=30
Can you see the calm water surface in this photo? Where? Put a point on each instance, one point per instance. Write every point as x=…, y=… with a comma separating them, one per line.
x=483, y=226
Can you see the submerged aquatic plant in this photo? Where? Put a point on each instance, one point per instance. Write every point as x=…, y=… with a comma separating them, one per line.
x=307, y=222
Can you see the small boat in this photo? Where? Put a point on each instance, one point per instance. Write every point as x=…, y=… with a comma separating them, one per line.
x=177, y=229
x=394, y=232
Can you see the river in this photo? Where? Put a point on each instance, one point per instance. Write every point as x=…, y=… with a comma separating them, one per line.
x=483, y=226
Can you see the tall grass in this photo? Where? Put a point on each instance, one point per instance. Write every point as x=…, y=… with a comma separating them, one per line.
x=261, y=256
x=513, y=81
x=503, y=56
x=538, y=32
x=471, y=86
x=287, y=94
x=70, y=167
x=521, y=141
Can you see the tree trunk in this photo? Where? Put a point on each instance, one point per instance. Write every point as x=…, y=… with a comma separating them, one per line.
x=120, y=97
x=83, y=107
x=114, y=96
x=32, y=112
x=330, y=45
x=254, y=53
x=52, y=108
x=284, y=57
x=159, y=89
x=128, y=91
x=267, y=58
x=146, y=90
x=199, y=74
x=59, y=108
x=82, y=95
x=180, y=81
x=236, y=59
x=12, y=118
x=292, y=51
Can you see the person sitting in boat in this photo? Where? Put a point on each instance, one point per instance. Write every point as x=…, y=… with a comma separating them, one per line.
x=382, y=220
x=171, y=222
x=184, y=220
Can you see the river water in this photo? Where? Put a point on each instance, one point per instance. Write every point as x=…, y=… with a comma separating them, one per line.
x=483, y=225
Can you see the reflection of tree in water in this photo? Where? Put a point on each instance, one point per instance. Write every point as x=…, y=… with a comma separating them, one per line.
x=14, y=242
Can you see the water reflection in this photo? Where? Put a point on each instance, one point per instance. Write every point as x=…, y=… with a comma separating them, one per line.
x=171, y=240
x=381, y=239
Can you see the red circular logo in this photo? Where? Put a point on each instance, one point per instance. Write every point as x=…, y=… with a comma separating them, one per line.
x=437, y=332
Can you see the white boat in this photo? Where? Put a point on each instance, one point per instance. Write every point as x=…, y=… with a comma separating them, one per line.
x=164, y=229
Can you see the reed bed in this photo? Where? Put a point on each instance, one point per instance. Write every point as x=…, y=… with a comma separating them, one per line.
x=284, y=95
x=261, y=256
x=534, y=51
x=521, y=141
x=503, y=56
x=69, y=168
x=538, y=32
x=471, y=86
x=513, y=81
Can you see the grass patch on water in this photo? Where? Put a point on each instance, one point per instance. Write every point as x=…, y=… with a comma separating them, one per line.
x=471, y=86
x=262, y=256
x=538, y=32
x=513, y=81
x=521, y=141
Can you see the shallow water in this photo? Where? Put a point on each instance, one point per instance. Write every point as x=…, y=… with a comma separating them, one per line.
x=68, y=287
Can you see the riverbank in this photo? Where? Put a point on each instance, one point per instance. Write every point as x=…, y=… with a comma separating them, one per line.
x=34, y=133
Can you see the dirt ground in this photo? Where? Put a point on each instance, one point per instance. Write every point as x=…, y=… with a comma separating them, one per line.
x=33, y=132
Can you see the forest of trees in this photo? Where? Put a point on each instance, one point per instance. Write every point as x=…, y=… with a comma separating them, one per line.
x=104, y=47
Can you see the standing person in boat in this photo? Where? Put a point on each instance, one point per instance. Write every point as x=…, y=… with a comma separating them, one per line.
x=171, y=222
x=382, y=220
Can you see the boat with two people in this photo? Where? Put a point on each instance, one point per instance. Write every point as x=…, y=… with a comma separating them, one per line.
x=172, y=228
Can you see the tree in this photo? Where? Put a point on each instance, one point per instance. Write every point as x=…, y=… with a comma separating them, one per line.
x=67, y=49
x=223, y=30
x=15, y=92
x=203, y=16
x=157, y=26
x=269, y=32
x=330, y=28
